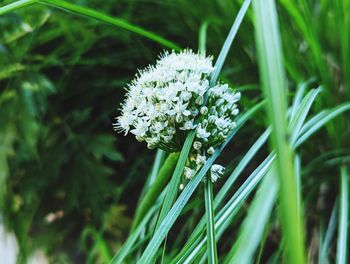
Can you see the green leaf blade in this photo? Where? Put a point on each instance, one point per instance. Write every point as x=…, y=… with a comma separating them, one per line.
x=15, y=6
x=209, y=210
x=343, y=226
x=274, y=86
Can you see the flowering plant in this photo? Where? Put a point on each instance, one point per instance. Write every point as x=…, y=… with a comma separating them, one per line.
x=164, y=102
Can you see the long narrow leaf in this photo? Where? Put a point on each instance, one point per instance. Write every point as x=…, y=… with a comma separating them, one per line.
x=120, y=256
x=319, y=120
x=256, y=220
x=209, y=210
x=228, y=42
x=16, y=5
x=342, y=245
x=301, y=114
x=297, y=172
x=158, y=162
x=326, y=243
x=156, y=188
x=274, y=86
x=241, y=166
x=298, y=97
x=90, y=13
x=174, y=183
x=202, y=37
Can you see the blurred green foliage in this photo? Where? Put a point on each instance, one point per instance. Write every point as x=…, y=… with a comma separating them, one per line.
x=69, y=184
x=60, y=84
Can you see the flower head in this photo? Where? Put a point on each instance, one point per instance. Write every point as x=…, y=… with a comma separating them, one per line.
x=165, y=101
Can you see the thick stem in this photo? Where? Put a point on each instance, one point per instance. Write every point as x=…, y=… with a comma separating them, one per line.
x=156, y=188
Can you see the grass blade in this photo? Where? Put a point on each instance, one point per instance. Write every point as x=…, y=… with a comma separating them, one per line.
x=301, y=114
x=123, y=252
x=228, y=211
x=209, y=210
x=326, y=244
x=90, y=13
x=174, y=183
x=202, y=38
x=208, y=185
x=273, y=81
x=297, y=171
x=306, y=28
x=256, y=220
x=299, y=96
x=228, y=42
x=158, y=162
x=15, y=6
x=319, y=120
x=93, y=14
x=342, y=245
x=173, y=186
x=240, y=167
x=155, y=189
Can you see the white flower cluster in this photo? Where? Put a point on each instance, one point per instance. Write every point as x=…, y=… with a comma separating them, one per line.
x=164, y=102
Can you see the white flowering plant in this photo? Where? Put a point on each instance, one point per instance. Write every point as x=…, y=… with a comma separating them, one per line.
x=166, y=101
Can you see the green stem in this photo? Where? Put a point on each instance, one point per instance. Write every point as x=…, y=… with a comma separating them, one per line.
x=156, y=188
x=174, y=183
x=87, y=12
x=274, y=87
x=209, y=211
x=202, y=38
x=343, y=217
x=90, y=13
x=16, y=5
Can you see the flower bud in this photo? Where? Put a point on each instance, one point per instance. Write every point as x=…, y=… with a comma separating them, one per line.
x=197, y=145
x=204, y=110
